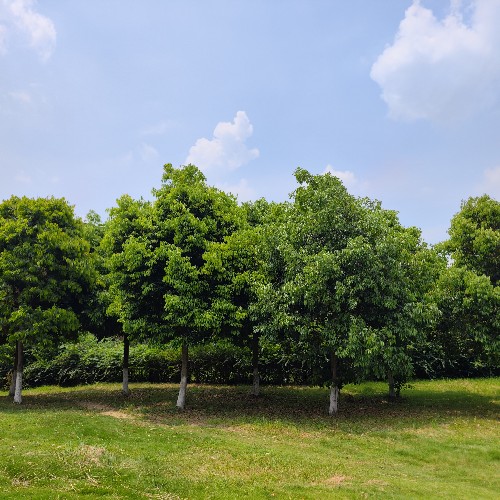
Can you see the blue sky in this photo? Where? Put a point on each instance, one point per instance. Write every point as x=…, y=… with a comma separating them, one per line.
x=400, y=99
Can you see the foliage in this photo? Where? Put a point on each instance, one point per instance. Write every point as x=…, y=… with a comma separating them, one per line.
x=94, y=316
x=158, y=285
x=396, y=305
x=91, y=360
x=466, y=339
x=349, y=283
x=238, y=267
x=189, y=216
x=45, y=269
x=475, y=237
x=123, y=267
x=327, y=289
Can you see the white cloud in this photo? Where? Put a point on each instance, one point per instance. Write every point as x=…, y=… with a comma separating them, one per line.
x=148, y=153
x=227, y=150
x=346, y=176
x=18, y=16
x=442, y=70
x=241, y=190
x=490, y=183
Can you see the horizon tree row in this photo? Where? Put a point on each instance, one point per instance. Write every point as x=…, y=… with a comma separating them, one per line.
x=334, y=280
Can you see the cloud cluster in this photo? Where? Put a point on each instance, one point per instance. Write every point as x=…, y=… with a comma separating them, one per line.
x=148, y=153
x=346, y=176
x=18, y=17
x=227, y=150
x=442, y=70
x=242, y=190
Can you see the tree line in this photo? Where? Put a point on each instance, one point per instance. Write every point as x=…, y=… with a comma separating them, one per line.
x=335, y=282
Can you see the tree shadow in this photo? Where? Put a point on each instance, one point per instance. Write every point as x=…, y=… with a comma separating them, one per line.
x=228, y=406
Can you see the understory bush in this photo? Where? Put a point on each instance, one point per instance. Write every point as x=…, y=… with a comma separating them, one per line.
x=91, y=360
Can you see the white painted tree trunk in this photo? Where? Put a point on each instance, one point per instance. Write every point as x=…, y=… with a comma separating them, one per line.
x=334, y=400
x=256, y=382
x=334, y=387
x=18, y=397
x=126, y=351
x=181, y=399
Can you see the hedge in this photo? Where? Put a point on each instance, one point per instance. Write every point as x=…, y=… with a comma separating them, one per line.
x=91, y=360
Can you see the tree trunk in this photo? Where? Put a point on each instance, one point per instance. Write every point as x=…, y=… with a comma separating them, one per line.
x=334, y=400
x=181, y=399
x=392, y=386
x=12, y=389
x=126, y=350
x=334, y=388
x=18, y=398
x=255, y=364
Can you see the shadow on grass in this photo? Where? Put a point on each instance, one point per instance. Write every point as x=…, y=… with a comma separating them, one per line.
x=224, y=406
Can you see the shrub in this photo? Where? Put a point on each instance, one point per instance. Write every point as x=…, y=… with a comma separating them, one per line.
x=91, y=360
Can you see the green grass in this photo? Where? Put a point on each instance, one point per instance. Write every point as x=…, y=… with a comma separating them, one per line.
x=441, y=441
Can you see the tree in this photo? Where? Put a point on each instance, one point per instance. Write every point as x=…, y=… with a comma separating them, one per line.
x=403, y=271
x=122, y=274
x=45, y=271
x=189, y=215
x=160, y=286
x=348, y=294
x=475, y=237
x=94, y=317
x=313, y=295
x=466, y=339
x=238, y=268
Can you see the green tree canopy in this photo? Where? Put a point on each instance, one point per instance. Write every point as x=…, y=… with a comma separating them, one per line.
x=350, y=290
x=156, y=252
x=475, y=237
x=466, y=339
x=45, y=271
x=239, y=267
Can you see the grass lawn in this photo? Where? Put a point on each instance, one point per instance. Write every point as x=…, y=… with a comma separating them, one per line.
x=441, y=441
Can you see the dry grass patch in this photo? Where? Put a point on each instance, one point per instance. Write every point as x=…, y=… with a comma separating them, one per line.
x=89, y=455
x=336, y=480
x=18, y=482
